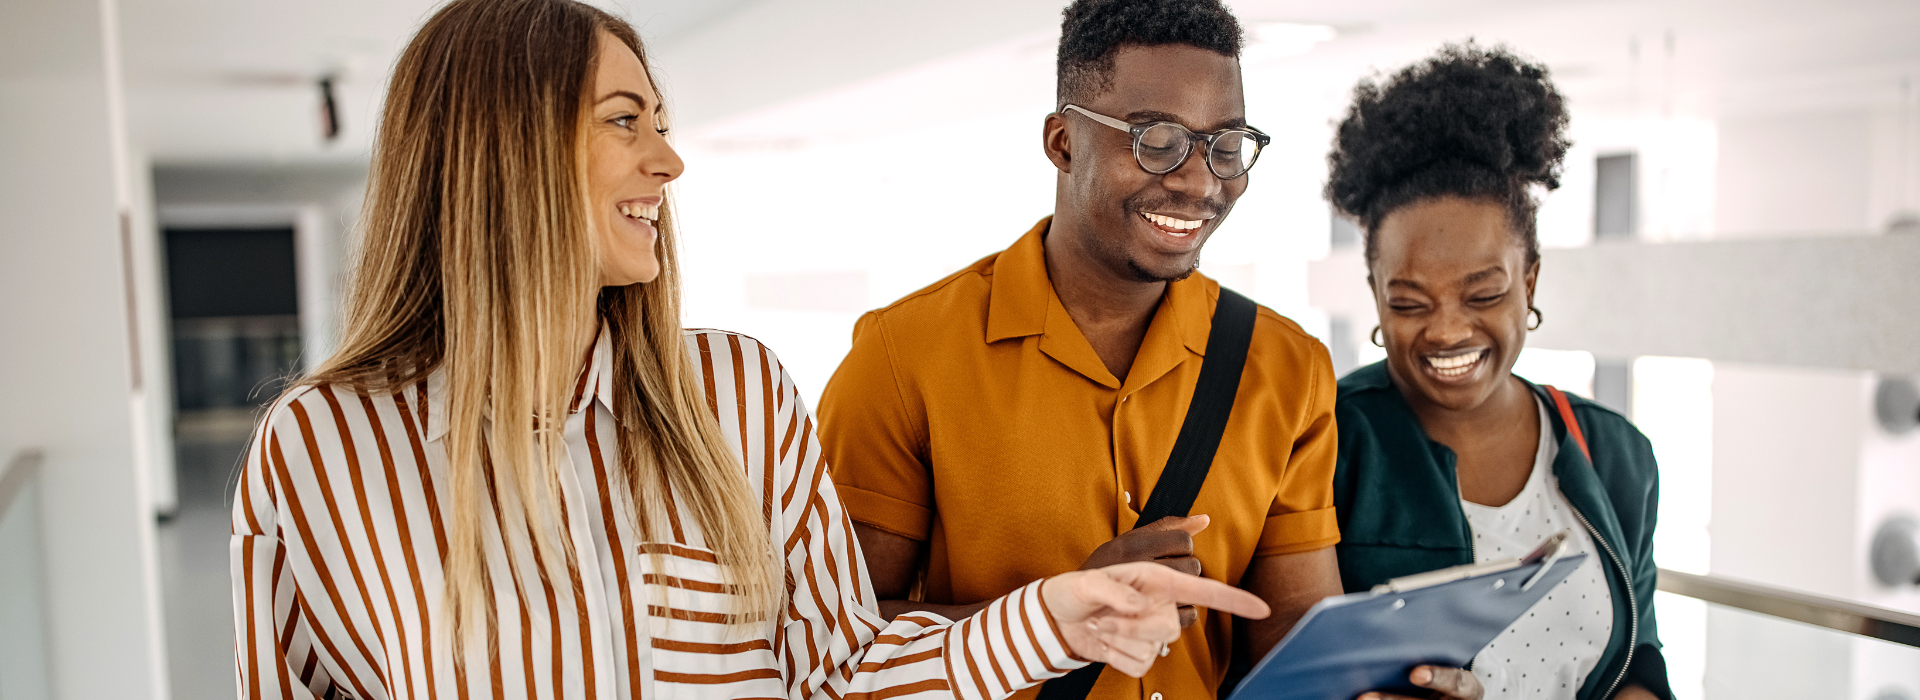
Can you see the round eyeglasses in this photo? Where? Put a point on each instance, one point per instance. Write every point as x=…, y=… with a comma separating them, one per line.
x=1161, y=147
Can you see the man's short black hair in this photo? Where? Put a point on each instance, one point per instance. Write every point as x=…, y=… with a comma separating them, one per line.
x=1091, y=31
x=1472, y=122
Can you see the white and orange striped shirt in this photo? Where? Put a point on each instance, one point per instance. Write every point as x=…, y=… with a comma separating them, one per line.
x=339, y=531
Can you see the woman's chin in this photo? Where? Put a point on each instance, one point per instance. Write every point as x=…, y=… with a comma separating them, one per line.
x=1461, y=391
x=629, y=275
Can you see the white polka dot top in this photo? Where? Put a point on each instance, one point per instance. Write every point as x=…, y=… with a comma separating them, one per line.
x=1547, y=653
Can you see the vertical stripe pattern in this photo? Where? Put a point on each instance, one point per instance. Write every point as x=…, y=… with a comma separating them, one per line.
x=338, y=539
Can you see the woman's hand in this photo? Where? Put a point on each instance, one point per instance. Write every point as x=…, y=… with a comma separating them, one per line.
x=1634, y=691
x=1123, y=615
x=1447, y=684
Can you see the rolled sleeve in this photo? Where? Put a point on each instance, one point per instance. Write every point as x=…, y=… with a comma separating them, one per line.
x=1293, y=533
x=886, y=513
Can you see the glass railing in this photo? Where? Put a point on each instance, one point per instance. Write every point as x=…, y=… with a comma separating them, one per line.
x=1728, y=639
x=1724, y=638
x=23, y=625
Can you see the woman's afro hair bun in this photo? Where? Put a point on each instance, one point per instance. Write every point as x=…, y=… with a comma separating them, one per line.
x=1469, y=121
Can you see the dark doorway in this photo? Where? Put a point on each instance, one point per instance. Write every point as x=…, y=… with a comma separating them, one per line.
x=235, y=308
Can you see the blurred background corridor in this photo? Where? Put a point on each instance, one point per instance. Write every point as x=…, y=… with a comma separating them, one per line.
x=1735, y=257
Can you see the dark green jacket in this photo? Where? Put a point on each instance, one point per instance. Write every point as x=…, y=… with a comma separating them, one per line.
x=1398, y=501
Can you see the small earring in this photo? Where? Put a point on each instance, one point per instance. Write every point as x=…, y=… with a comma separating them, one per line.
x=1538, y=318
x=1375, y=337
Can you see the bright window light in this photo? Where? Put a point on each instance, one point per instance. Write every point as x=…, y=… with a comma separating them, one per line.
x=1271, y=40
x=1673, y=405
x=1570, y=371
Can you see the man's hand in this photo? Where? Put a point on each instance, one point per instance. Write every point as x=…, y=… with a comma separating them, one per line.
x=1447, y=684
x=1167, y=541
x=1124, y=616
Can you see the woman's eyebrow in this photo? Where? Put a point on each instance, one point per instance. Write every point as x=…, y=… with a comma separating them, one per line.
x=627, y=94
x=1484, y=274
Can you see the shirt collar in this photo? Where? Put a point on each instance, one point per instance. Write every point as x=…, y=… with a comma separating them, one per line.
x=1017, y=306
x=595, y=382
x=1022, y=303
x=1022, y=295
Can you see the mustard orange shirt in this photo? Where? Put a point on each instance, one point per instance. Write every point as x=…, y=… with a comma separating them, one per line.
x=974, y=416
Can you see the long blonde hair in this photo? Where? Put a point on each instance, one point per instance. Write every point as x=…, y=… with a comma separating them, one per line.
x=476, y=259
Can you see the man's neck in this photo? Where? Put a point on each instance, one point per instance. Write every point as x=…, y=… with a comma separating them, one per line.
x=1113, y=312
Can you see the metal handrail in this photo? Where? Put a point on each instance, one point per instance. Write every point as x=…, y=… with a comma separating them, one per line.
x=19, y=472
x=1821, y=611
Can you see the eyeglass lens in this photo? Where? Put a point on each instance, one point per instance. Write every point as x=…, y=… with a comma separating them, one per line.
x=1162, y=147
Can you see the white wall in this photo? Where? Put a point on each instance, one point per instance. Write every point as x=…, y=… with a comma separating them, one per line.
x=1794, y=174
x=154, y=393
x=1786, y=475
x=64, y=367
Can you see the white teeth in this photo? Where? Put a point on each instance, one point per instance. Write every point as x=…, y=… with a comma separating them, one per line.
x=1172, y=223
x=1456, y=365
x=636, y=211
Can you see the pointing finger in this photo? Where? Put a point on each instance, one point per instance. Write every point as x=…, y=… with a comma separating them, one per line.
x=1180, y=589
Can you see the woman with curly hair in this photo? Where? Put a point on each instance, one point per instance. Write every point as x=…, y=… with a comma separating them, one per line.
x=1447, y=457
x=519, y=477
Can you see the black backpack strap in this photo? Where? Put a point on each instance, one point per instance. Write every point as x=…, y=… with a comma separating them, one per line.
x=1192, y=456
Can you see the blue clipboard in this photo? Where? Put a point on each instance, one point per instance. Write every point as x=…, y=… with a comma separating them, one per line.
x=1348, y=645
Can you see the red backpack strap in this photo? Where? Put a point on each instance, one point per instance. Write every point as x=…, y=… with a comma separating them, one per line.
x=1566, y=416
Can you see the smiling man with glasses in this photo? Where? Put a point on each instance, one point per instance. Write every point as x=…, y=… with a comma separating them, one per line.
x=1019, y=418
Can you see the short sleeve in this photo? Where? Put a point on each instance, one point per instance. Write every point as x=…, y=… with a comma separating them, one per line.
x=873, y=440
x=1301, y=518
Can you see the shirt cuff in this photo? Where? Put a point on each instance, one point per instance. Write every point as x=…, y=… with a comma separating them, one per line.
x=1011, y=645
x=1293, y=533
x=886, y=513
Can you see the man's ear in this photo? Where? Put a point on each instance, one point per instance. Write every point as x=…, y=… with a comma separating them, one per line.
x=1054, y=140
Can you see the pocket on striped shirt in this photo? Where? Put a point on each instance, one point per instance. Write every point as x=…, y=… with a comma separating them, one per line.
x=696, y=645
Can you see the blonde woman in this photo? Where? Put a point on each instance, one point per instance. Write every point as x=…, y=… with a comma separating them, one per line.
x=519, y=477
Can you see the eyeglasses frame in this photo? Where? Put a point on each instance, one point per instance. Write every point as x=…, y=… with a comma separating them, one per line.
x=1260, y=139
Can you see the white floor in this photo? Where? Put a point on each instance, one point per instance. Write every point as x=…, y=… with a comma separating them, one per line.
x=194, y=582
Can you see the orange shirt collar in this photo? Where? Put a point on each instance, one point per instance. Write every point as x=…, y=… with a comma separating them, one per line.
x=1023, y=303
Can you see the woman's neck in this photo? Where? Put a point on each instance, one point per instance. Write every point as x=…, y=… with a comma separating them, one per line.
x=584, y=340
x=1503, y=416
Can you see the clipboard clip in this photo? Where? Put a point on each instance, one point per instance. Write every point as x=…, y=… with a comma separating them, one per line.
x=1548, y=552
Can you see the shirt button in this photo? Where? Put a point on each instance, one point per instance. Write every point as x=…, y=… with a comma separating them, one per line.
x=1156, y=696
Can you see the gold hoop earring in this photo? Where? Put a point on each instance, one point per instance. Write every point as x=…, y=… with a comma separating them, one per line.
x=1538, y=318
x=1375, y=337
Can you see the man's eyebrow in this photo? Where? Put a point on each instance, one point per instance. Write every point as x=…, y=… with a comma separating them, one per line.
x=1147, y=115
x=627, y=94
x=1409, y=284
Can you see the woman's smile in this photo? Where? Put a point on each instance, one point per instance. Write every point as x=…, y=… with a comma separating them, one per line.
x=640, y=215
x=1455, y=366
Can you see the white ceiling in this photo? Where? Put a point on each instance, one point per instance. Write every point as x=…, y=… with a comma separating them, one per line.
x=219, y=80
x=232, y=80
